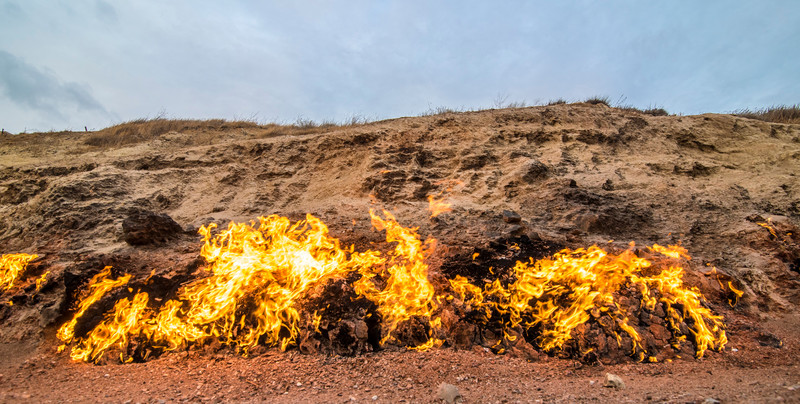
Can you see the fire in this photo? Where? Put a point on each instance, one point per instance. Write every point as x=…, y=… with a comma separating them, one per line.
x=12, y=266
x=438, y=206
x=555, y=295
x=259, y=274
x=408, y=292
x=99, y=285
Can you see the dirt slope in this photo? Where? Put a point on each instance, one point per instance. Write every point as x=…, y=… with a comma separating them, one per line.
x=576, y=175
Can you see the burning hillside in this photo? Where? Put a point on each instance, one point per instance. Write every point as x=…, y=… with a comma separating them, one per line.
x=549, y=232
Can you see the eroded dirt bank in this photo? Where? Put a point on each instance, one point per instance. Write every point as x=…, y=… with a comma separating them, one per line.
x=557, y=176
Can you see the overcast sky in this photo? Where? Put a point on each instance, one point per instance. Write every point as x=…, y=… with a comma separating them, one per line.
x=70, y=64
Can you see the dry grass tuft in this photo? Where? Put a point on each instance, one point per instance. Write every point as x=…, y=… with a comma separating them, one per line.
x=777, y=114
x=598, y=100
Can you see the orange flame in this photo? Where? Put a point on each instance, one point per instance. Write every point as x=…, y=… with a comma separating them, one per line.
x=557, y=294
x=438, y=206
x=258, y=274
x=12, y=266
x=99, y=285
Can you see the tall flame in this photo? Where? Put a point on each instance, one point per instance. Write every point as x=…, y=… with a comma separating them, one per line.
x=257, y=276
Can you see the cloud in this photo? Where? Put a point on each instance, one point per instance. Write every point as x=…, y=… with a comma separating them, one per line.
x=41, y=90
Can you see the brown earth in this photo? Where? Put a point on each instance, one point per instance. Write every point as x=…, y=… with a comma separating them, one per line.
x=575, y=174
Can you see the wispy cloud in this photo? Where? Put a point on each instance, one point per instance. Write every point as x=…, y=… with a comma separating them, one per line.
x=30, y=87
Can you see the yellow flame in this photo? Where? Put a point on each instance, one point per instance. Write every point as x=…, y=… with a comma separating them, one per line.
x=258, y=274
x=99, y=285
x=557, y=294
x=12, y=266
x=40, y=281
x=407, y=291
x=768, y=226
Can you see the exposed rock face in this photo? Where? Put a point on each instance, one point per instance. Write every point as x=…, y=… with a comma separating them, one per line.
x=572, y=175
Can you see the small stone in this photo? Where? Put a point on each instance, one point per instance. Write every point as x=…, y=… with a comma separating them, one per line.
x=509, y=216
x=711, y=401
x=106, y=375
x=614, y=381
x=770, y=340
x=374, y=398
x=448, y=393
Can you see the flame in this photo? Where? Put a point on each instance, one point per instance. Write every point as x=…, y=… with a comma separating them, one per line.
x=407, y=292
x=12, y=266
x=768, y=225
x=40, y=281
x=438, y=206
x=99, y=285
x=259, y=273
x=556, y=294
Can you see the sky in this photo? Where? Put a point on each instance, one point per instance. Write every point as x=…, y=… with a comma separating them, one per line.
x=66, y=65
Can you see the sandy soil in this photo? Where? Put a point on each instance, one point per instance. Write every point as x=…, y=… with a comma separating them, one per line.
x=576, y=174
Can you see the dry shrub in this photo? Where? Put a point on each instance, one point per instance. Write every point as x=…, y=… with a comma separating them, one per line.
x=778, y=114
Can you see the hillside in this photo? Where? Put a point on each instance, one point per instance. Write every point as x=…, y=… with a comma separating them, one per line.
x=522, y=182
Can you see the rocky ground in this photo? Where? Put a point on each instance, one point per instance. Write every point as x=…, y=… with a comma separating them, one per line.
x=558, y=176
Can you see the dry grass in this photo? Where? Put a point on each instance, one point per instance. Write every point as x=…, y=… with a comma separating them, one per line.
x=654, y=111
x=778, y=114
x=598, y=100
x=144, y=130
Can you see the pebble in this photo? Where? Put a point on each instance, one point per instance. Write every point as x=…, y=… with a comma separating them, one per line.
x=374, y=398
x=711, y=401
x=448, y=393
x=510, y=216
x=614, y=381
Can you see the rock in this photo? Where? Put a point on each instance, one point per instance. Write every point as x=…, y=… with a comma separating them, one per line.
x=613, y=381
x=522, y=349
x=510, y=216
x=535, y=171
x=711, y=401
x=145, y=227
x=660, y=332
x=769, y=339
x=448, y=393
